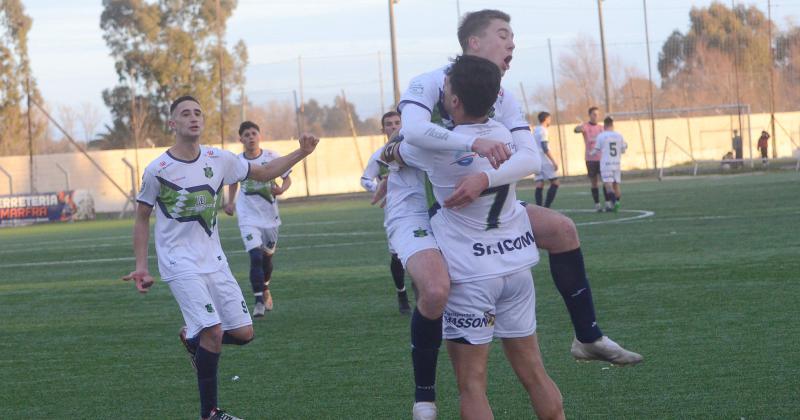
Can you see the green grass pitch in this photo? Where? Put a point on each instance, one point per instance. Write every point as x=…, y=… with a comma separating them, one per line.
x=706, y=289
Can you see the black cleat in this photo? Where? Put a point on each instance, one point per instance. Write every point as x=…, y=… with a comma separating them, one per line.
x=402, y=301
x=217, y=414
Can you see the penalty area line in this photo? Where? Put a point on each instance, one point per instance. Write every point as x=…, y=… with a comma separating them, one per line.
x=637, y=214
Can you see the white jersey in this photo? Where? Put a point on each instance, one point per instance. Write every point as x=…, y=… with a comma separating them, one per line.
x=492, y=236
x=405, y=195
x=375, y=170
x=406, y=192
x=611, y=146
x=187, y=194
x=540, y=137
x=427, y=91
x=255, y=204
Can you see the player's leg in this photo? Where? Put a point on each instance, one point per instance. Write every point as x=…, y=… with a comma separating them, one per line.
x=251, y=236
x=539, y=190
x=270, y=239
x=399, y=278
x=237, y=326
x=469, y=363
x=416, y=247
x=611, y=196
x=515, y=324
x=592, y=173
x=551, y=192
x=468, y=328
x=202, y=335
x=526, y=360
x=558, y=235
x=429, y=273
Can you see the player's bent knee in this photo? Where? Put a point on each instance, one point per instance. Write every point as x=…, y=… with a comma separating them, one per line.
x=213, y=333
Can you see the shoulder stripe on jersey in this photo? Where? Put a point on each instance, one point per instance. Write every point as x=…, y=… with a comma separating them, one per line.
x=400, y=105
x=520, y=128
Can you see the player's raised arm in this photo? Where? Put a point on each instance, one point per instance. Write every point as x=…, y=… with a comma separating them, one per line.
x=279, y=166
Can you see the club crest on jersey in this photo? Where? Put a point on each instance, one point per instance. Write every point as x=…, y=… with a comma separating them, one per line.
x=210, y=308
x=464, y=160
x=209, y=172
x=420, y=233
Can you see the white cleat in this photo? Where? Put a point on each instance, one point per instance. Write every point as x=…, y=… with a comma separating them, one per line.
x=424, y=410
x=606, y=350
x=598, y=208
x=258, y=310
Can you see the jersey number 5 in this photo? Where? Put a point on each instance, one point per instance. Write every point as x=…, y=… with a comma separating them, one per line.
x=500, y=193
x=612, y=149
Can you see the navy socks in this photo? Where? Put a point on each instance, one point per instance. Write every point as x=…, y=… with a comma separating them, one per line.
x=538, y=196
x=551, y=195
x=569, y=275
x=398, y=273
x=426, y=338
x=207, y=363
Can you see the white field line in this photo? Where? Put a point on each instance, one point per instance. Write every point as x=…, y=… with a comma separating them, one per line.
x=104, y=260
x=639, y=214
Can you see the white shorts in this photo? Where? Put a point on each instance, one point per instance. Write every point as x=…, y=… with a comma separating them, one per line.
x=210, y=299
x=258, y=237
x=548, y=171
x=611, y=175
x=409, y=235
x=503, y=307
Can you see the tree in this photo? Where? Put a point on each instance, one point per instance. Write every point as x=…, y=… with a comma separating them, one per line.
x=164, y=50
x=15, y=72
x=722, y=48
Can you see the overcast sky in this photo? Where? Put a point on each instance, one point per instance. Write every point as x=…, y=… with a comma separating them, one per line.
x=340, y=40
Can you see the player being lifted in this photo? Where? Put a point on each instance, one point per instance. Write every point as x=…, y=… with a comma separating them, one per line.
x=485, y=34
x=257, y=205
x=185, y=184
x=549, y=166
x=489, y=249
x=374, y=173
x=590, y=130
x=610, y=145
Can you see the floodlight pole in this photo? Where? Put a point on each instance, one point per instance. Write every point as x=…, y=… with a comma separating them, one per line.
x=771, y=82
x=650, y=85
x=555, y=103
x=221, y=79
x=380, y=83
x=394, y=52
x=31, y=187
x=603, y=52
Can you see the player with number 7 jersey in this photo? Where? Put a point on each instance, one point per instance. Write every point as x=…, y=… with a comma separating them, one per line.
x=492, y=236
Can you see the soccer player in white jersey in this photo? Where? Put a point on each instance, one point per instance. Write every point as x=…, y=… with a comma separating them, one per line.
x=489, y=248
x=486, y=34
x=259, y=220
x=611, y=147
x=185, y=184
x=549, y=166
x=374, y=177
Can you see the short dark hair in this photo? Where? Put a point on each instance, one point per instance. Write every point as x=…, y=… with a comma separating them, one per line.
x=542, y=116
x=592, y=108
x=475, y=23
x=476, y=82
x=608, y=122
x=178, y=101
x=387, y=115
x=246, y=125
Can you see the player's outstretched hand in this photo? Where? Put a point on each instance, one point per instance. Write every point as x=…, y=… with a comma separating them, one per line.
x=276, y=190
x=497, y=152
x=379, y=196
x=555, y=167
x=308, y=143
x=468, y=189
x=229, y=209
x=142, y=278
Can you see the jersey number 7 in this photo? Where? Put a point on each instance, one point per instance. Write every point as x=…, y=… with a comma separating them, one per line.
x=500, y=193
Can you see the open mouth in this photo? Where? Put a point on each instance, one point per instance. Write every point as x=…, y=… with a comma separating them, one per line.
x=507, y=60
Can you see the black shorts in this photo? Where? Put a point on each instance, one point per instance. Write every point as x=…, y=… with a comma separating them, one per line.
x=763, y=153
x=592, y=168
